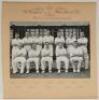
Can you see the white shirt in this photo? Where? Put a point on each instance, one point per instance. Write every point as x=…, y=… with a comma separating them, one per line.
x=18, y=53
x=75, y=51
x=26, y=40
x=46, y=52
x=37, y=40
x=70, y=40
x=49, y=39
x=16, y=42
x=83, y=40
x=59, y=40
x=60, y=51
x=32, y=40
x=33, y=53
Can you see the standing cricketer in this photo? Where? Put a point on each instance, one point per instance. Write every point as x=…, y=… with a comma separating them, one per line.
x=48, y=39
x=76, y=56
x=27, y=41
x=83, y=41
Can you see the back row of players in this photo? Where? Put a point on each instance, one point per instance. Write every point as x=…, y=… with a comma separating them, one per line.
x=29, y=49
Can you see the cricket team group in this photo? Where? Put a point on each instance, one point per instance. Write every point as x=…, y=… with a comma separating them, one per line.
x=36, y=51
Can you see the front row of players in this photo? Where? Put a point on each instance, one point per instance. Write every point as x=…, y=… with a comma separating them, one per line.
x=29, y=50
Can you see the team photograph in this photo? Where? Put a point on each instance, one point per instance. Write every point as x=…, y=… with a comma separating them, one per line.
x=50, y=49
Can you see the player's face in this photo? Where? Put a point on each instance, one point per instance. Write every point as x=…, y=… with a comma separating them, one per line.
x=33, y=46
x=62, y=33
x=37, y=33
x=70, y=30
x=27, y=34
x=47, y=33
x=66, y=34
x=70, y=35
x=75, y=45
x=58, y=34
x=60, y=45
x=46, y=46
x=16, y=35
x=32, y=33
x=74, y=34
x=81, y=34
